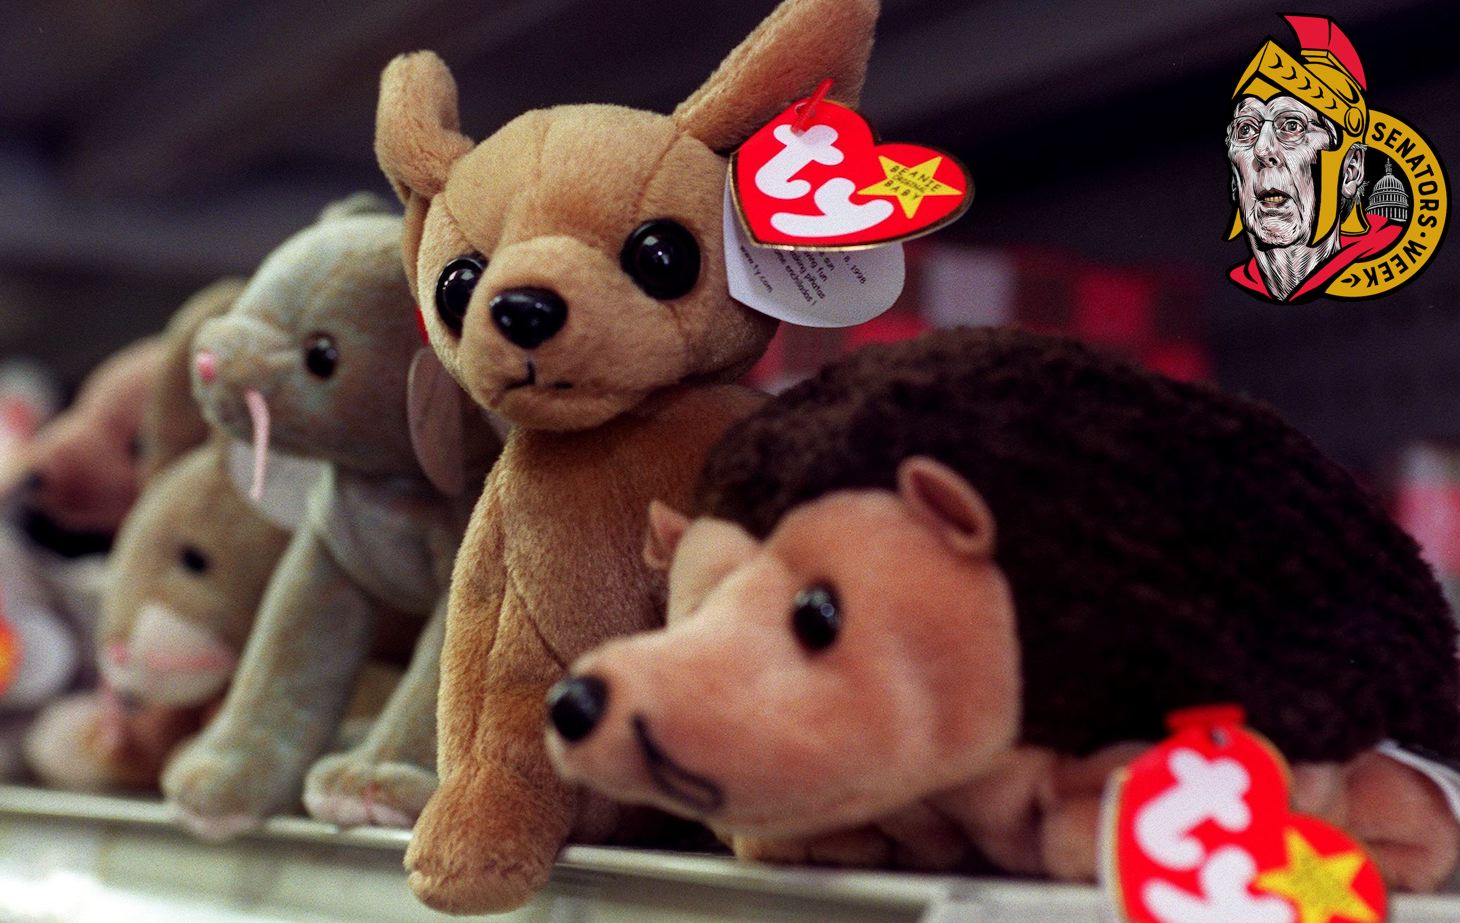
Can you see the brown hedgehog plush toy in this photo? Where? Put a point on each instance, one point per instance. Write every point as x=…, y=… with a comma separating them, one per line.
x=938, y=592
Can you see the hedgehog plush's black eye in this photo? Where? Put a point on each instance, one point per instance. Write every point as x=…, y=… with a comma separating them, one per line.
x=193, y=560
x=663, y=259
x=454, y=287
x=321, y=355
x=815, y=618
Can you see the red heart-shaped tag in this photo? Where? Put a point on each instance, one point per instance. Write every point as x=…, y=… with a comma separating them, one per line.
x=822, y=182
x=1199, y=830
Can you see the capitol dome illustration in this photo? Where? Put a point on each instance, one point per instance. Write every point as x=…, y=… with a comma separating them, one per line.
x=1388, y=197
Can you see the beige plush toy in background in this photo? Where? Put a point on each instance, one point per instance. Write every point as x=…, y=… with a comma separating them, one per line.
x=572, y=271
x=80, y=475
x=315, y=358
x=190, y=565
x=66, y=487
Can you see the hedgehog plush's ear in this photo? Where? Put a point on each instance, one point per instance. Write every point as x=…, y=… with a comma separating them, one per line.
x=800, y=44
x=940, y=497
x=666, y=527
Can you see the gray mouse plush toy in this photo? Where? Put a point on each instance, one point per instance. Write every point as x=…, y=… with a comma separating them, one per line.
x=315, y=359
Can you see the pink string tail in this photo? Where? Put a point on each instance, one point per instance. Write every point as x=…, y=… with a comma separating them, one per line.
x=258, y=411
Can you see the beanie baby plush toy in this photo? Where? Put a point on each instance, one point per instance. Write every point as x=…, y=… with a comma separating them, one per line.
x=937, y=592
x=314, y=358
x=79, y=477
x=71, y=484
x=571, y=266
x=189, y=567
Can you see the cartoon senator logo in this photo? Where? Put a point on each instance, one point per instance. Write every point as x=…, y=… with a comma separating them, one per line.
x=1297, y=141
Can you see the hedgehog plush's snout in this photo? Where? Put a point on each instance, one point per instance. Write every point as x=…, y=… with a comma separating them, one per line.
x=576, y=705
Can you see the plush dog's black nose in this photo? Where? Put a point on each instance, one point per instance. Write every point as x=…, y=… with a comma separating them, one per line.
x=576, y=705
x=33, y=482
x=529, y=317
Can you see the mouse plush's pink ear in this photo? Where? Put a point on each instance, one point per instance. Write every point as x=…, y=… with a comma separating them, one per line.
x=800, y=44
x=417, y=139
x=172, y=423
x=433, y=410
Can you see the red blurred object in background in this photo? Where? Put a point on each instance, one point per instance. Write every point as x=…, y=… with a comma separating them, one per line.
x=1152, y=315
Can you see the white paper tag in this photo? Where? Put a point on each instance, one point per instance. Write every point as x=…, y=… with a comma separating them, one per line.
x=840, y=288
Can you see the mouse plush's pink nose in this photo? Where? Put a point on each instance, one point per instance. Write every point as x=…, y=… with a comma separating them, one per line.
x=207, y=364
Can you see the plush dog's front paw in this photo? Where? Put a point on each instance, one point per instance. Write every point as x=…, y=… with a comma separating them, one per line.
x=486, y=846
x=352, y=791
x=222, y=791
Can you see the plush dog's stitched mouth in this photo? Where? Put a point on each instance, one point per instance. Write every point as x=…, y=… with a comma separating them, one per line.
x=694, y=791
x=527, y=381
x=530, y=381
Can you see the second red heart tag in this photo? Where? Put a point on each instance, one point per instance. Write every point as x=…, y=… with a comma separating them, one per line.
x=1199, y=830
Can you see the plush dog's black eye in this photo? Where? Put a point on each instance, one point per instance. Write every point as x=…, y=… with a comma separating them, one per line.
x=815, y=618
x=663, y=258
x=193, y=560
x=321, y=355
x=454, y=287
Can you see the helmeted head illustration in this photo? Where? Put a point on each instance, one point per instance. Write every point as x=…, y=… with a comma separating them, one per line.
x=1295, y=146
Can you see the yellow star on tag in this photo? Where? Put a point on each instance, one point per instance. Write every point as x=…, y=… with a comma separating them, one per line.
x=1322, y=887
x=910, y=184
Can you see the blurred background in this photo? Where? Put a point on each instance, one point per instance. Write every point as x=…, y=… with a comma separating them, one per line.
x=149, y=146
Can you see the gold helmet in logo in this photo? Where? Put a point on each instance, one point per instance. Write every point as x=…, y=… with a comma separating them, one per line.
x=1330, y=78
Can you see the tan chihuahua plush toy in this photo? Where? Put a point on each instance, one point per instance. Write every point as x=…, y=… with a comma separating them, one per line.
x=572, y=270
x=315, y=358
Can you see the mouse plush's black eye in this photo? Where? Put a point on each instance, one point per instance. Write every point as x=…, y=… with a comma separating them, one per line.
x=663, y=259
x=815, y=618
x=321, y=355
x=454, y=287
x=193, y=560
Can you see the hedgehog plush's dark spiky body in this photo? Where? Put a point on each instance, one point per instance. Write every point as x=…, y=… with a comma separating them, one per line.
x=1167, y=544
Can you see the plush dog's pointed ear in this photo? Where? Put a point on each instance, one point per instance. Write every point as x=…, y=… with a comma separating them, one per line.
x=941, y=498
x=417, y=136
x=800, y=44
x=417, y=139
x=666, y=527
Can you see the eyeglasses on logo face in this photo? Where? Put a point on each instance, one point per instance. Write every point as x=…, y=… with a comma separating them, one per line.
x=1289, y=127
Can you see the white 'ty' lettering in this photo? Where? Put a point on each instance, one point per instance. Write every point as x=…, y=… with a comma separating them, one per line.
x=1204, y=790
x=815, y=145
x=1224, y=896
x=839, y=215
